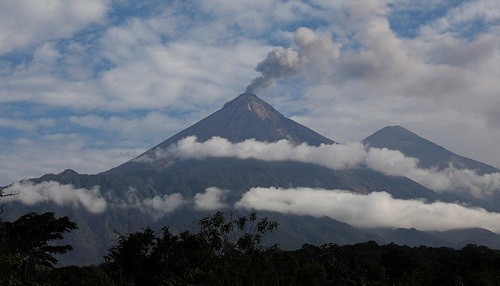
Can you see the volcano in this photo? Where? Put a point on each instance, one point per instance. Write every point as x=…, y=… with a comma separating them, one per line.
x=429, y=154
x=245, y=117
x=249, y=117
x=127, y=186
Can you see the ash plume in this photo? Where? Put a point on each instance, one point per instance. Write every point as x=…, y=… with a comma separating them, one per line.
x=279, y=63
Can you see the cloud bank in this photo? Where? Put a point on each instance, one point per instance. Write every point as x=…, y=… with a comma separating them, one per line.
x=28, y=193
x=157, y=206
x=367, y=67
x=377, y=209
x=27, y=22
x=211, y=199
x=338, y=157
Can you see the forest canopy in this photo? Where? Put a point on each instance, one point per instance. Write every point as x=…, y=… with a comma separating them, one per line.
x=228, y=248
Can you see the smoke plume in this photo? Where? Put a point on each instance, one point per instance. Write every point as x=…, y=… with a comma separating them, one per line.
x=279, y=63
x=313, y=53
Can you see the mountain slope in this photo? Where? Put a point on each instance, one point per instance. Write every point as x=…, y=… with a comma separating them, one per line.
x=429, y=154
x=129, y=185
x=245, y=117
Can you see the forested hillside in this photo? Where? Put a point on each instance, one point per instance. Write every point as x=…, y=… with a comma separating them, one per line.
x=228, y=249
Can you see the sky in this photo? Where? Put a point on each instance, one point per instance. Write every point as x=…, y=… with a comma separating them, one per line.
x=88, y=85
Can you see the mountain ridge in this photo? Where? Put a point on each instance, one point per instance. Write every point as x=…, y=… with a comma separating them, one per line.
x=245, y=117
x=429, y=153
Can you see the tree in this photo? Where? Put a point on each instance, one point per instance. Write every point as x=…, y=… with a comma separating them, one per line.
x=235, y=233
x=27, y=244
x=225, y=249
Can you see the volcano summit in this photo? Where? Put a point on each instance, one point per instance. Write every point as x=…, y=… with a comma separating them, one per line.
x=161, y=188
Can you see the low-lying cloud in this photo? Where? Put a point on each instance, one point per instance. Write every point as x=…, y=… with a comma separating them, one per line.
x=211, y=199
x=162, y=205
x=157, y=206
x=28, y=193
x=335, y=156
x=338, y=157
x=377, y=209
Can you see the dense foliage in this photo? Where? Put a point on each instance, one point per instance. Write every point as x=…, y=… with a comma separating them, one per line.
x=26, y=252
x=227, y=249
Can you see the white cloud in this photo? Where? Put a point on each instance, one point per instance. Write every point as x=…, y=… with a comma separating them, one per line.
x=338, y=157
x=33, y=157
x=384, y=79
x=184, y=60
x=335, y=156
x=376, y=209
x=465, y=13
x=29, y=193
x=211, y=199
x=152, y=125
x=24, y=23
x=26, y=125
x=157, y=206
x=164, y=204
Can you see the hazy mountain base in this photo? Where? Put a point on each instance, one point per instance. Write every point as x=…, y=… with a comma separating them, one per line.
x=245, y=117
x=98, y=231
x=226, y=249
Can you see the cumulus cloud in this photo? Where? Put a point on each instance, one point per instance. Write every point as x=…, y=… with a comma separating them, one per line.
x=319, y=51
x=191, y=57
x=468, y=12
x=157, y=206
x=56, y=152
x=27, y=22
x=377, y=209
x=26, y=125
x=164, y=204
x=211, y=199
x=431, y=74
x=151, y=125
x=28, y=193
x=395, y=163
x=337, y=157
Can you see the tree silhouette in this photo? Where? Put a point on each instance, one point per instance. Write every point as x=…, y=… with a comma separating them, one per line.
x=26, y=245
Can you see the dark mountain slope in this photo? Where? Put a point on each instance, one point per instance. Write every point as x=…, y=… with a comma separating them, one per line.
x=245, y=117
x=429, y=153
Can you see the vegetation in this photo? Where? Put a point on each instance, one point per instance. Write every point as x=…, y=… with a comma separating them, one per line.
x=26, y=254
x=228, y=249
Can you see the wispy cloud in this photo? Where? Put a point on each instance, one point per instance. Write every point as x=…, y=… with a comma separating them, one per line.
x=112, y=59
x=156, y=206
x=376, y=209
x=28, y=193
x=211, y=199
x=57, y=152
x=26, y=125
x=28, y=22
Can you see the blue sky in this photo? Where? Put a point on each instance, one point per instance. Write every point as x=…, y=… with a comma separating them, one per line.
x=88, y=85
